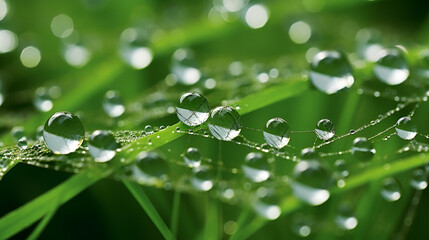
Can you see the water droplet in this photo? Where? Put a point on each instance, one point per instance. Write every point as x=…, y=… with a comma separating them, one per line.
x=148, y=129
x=112, y=104
x=419, y=179
x=256, y=167
x=193, y=109
x=391, y=67
x=8, y=41
x=192, y=157
x=202, y=179
x=102, y=146
x=325, y=129
x=184, y=67
x=256, y=16
x=43, y=100
x=346, y=219
x=224, y=123
x=152, y=165
x=390, y=190
x=266, y=204
x=341, y=169
x=277, y=132
x=311, y=181
x=63, y=133
x=363, y=149
x=331, y=72
x=62, y=26
x=77, y=56
x=406, y=128
x=133, y=48
x=310, y=154
x=30, y=57
x=300, y=32
x=22, y=143
x=3, y=9
x=302, y=225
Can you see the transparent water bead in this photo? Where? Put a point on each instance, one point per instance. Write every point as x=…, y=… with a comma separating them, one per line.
x=193, y=109
x=224, y=123
x=310, y=154
x=256, y=167
x=406, y=128
x=363, y=149
x=277, y=132
x=2, y=92
x=63, y=133
x=390, y=190
x=345, y=218
x=302, y=225
x=266, y=204
x=43, y=101
x=423, y=64
x=391, y=66
x=152, y=165
x=102, y=146
x=22, y=143
x=330, y=72
x=184, y=67
x=133, y=48
x=192, y=157
x=8, y=41
x=113, y=104
x=419, y=179
x=341, y=169
x=202, y=179
x=311, y=182
x=325, y=129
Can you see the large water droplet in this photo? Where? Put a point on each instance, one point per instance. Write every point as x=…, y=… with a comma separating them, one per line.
x=363, y=149
x=277, y=132
x=102, y=146
x=184, y=67
x=224, y=123
x=390, y=190
x=419, y=179
x=63, y=133
x=345, y=218
x=43, y=101
x=311, y=182
x=202, y=179
x=331, y=72
x=133, y=48
x=193, y=109
x=406, y=128
x=256, y=167
x=152, y=166
x=391, y=67
x=325, y=129
x=266, y=204
x=8, y=41
x=192, y=157
x=112, y=104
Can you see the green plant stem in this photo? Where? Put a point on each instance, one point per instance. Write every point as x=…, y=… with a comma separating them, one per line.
x=42, y=225
x=175, y=213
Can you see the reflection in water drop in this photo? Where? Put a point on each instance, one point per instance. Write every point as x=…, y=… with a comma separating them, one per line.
x=266, y=204
x=152, y=167
x=133, y=48
x=102, y=146
x=43, y=100
x=300, y=32
x=224, y=123
x=22, y=143
x=406, y=128
x=331, y=72
x=390, y=190
x=256, y=167
x=63, y=133
x=30, y=57
x=256, y=16
x=193, y=109
x=419, y=179
x=277, y=132
x=8, y=41
x=391, y=67
x=192, y=157
x=325, y=129
x=62, y=26
x=202, y=179
x=345, y=218
x=184, y=67
x=112, y=104
x=363, y=149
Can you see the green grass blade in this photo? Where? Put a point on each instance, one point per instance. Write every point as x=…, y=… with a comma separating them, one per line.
x=42, y=225
x=147, y=206
x=175, y=213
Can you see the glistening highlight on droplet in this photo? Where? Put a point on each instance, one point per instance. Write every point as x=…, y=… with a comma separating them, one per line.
x=277, y=132
x=224, y=123
x=102, y=146
x=193, y=109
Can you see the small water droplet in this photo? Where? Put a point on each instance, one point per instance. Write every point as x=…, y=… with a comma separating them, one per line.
x=152, y=165
x=302, y=225
x=391, y=67
x=133, y=48
x=43, y=100
x=192, y=157
x=341, y=169
x=256, y=167
x=184, y=67
x=363, y=149
x=345, y=218
x=202, y=179
x=406, y=128
x=112, y=104
x=331, y=72
x=22, y=143
x=193, y=109
x=325, y=129
x=148, y=129
x=224, y=123
x=63, y=133
x=266, y=204
x=277, y=132
x=390, y=190
x=311, y=182
x=419, y=179
x=102, y=146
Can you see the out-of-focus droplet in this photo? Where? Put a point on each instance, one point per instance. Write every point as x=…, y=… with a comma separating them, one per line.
x=133, y=48
x=256, y=16
x=363, y=149
x=102, y=146
x=77, y=56
x=184, y=67
x=406, y=128
x=62, y=26
x=112, y=104
x=390, y=190
x=300, y=32
x=8, y=41
x=30, y=57
x=256, y=167
x=391, y=67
